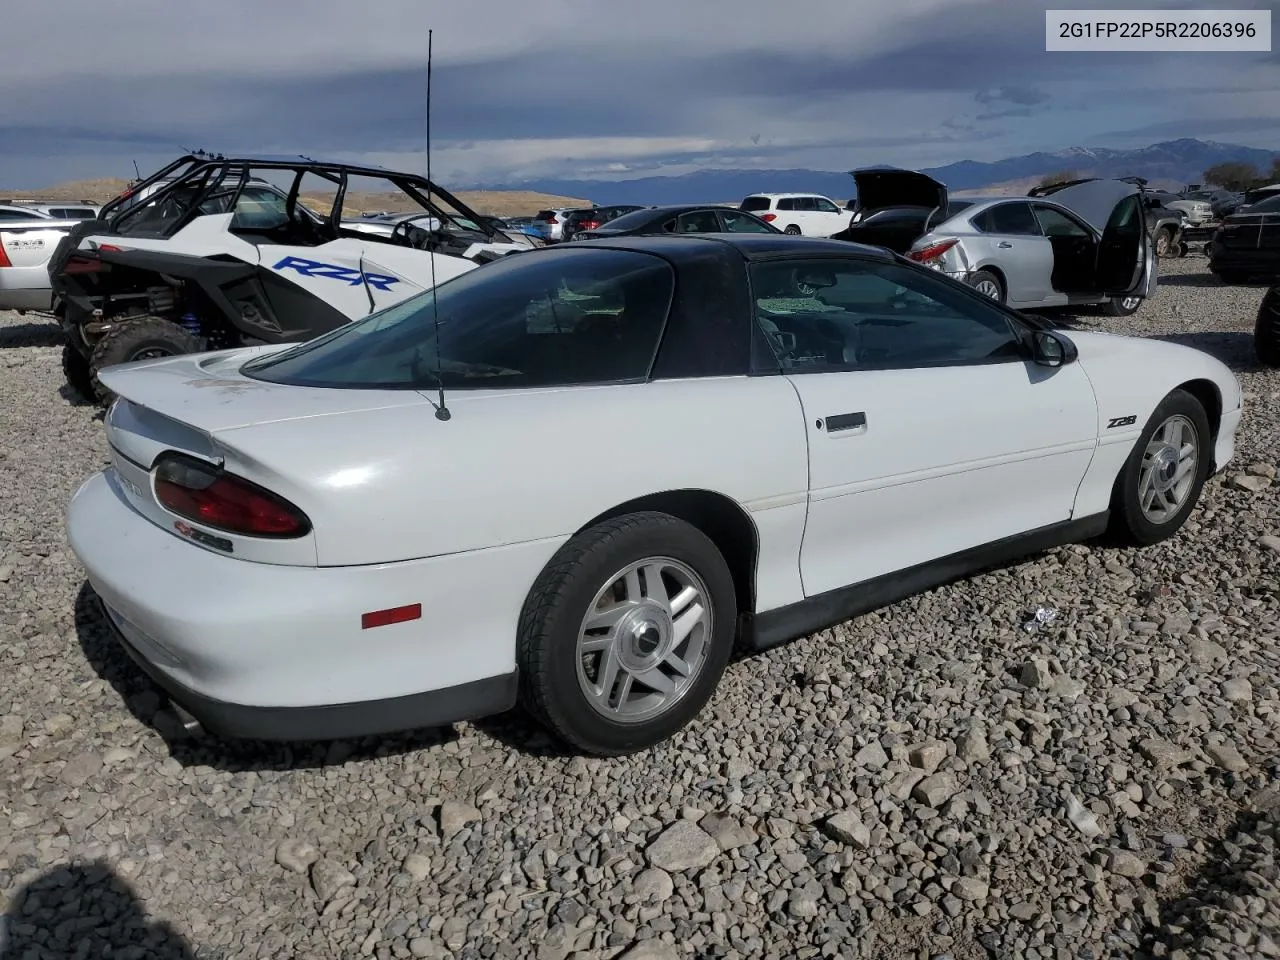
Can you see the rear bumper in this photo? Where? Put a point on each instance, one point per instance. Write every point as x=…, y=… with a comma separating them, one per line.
x=436, y=708
x=278, y=652
x=25, y=288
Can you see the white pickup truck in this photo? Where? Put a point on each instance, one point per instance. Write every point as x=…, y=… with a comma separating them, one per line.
x=26, y=244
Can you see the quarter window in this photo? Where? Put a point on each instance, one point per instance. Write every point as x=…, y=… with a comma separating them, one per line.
x=1011, y=219
x=824, y=315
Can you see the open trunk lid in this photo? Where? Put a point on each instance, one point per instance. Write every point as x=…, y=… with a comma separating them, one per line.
x=881, y=187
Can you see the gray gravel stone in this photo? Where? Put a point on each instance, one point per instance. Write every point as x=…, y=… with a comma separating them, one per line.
x=296, y=854
x=847, y=827
x=682, y=846
x=328, y=877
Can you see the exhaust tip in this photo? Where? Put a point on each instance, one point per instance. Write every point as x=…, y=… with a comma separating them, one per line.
x=189, y=723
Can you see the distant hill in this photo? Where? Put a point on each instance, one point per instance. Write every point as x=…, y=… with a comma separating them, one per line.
x=1174, y=162
x=500, y=203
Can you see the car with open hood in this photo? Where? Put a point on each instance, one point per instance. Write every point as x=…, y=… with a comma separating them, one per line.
x=583, y=475
x=1085, y=245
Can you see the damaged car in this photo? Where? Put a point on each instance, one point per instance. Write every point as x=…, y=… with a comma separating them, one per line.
x=214, y=252
x=1087, y=245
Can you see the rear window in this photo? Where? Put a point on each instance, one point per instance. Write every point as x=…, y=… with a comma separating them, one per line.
x=631, y=221
x=559, y=317
x=545, y=215
x=754, y=203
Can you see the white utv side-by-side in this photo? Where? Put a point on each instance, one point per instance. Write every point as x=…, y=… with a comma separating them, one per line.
x=213, y=252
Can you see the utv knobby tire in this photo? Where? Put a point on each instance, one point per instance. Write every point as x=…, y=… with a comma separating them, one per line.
x=75, y=367
x=547, y=641
x=137, y=339
x=1266, y=329
x=1128, y=524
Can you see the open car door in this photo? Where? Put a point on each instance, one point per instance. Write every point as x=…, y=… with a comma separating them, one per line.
x=1125, y=261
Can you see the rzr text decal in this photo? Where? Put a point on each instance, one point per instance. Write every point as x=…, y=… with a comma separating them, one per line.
x=333, y=271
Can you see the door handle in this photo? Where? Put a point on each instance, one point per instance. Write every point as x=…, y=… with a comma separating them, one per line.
x=1004, y=244
x=846, y=424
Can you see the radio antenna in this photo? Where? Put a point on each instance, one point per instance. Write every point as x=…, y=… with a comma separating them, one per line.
x=442, y=412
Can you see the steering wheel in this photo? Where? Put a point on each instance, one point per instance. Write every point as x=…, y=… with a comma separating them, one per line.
x=400, y=233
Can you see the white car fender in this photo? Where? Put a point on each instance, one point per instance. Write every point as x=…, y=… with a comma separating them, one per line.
x=1130, y=377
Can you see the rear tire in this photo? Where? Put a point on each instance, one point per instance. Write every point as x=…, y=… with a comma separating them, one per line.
x=1150, y=474
x=143, y=338
x=1266, y=330
x=563, y=661
x=75, y=367
x=988, y=284
x=792, y=230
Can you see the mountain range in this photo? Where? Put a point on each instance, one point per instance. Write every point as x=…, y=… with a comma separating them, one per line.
x=1169, y=163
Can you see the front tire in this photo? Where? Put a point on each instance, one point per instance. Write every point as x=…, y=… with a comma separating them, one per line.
x=626, y=633
x=1161, y=481
x=1164, y=241
x=144, y=338
x=1122, y=306
x=1266, y=329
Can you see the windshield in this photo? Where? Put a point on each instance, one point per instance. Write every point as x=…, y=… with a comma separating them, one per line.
x=563, y=316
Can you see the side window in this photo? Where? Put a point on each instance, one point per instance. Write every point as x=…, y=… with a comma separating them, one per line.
x=807, y=204
x=1055, y=223
x=735, y=222
x=1014, y=219
x=824, y=315
x=698, y=221
x=825, y=205
x=259, y=209
x=787, y=203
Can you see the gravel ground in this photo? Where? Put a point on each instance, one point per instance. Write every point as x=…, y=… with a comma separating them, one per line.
x=928, y=781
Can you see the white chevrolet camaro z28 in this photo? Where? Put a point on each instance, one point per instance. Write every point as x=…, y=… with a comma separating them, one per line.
x=648, y=450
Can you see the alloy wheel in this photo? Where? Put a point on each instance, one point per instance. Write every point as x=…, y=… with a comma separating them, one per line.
x=1168, y=470
x=644, y=639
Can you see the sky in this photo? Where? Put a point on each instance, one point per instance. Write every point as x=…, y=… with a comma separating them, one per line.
x=595, y=89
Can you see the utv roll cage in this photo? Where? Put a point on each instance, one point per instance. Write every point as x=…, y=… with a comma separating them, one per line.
x=208, y=172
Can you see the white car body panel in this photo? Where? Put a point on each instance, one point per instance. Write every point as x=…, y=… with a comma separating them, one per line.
x=933, y=439
x=1130, y=377
x=462, y=515
x=28, y=245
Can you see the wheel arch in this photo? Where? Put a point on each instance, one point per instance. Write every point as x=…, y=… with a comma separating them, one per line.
x=1210, y=397
x=721, y=518
x=993, y=269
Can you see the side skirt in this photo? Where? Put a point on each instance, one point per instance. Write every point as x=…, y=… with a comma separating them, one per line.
x=784, y=624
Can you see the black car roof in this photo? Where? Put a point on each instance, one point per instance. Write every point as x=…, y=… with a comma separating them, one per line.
x=750, y=246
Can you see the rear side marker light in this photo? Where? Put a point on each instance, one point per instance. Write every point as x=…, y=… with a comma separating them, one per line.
x=382, y=618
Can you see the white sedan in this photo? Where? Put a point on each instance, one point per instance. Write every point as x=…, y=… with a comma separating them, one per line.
x=578, y=477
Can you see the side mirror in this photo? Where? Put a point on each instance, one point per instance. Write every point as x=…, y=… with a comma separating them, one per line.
x=1052, y=350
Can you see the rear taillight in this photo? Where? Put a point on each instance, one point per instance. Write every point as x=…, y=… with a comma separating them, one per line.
x=932, y=252
x=590, y=225
x=768, y=217
x=203, y=493
x=4, y=257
